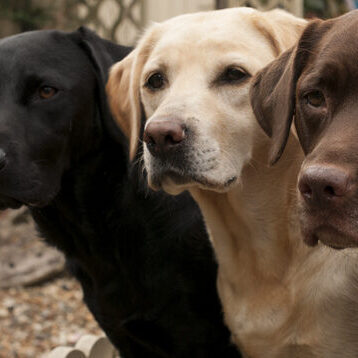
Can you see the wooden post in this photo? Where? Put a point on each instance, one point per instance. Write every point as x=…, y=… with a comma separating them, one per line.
x=220, y=4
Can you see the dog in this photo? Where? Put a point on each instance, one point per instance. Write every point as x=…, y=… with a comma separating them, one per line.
x=143, y=259
x=190, y=77
x=316, y=83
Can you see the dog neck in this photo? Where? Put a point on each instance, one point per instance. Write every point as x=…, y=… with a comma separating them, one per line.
x=250, y=225
x=266, y=273
x=256, y=240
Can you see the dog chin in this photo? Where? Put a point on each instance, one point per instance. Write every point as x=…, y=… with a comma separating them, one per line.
x=174, y=183
x=330, y=236
x=331, y=229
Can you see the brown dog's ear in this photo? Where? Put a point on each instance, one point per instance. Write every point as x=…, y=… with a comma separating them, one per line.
x=272, y=100
x=273, y=90
x=123, y=90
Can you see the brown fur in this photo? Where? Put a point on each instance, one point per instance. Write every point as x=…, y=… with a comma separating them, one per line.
x=325, y=60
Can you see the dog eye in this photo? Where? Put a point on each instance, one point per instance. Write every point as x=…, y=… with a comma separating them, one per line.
x=233, y=75
x=315, y=99
x=46, y=92
x=155, y=81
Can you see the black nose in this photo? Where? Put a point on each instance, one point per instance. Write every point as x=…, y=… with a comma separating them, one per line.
x=2, y=158
x=320, y=184
x=164, y=135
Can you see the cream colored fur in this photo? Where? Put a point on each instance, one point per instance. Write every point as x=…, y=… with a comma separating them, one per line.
x=280, y=298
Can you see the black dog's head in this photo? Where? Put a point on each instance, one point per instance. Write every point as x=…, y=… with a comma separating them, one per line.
x=52, y=109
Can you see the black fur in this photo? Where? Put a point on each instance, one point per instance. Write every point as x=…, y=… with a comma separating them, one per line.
x=143, y=258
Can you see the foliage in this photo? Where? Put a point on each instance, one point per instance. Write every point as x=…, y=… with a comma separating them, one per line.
x=324, y=8
x=24, y=13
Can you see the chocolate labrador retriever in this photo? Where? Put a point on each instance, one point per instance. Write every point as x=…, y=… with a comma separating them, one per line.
x=317, y=84
x=142, y=258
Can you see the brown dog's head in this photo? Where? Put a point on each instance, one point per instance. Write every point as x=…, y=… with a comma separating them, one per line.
x=316, y=83
x=191, y=76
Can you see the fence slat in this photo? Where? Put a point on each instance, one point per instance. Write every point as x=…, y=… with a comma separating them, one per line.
x=95, y=347
x=66, y=352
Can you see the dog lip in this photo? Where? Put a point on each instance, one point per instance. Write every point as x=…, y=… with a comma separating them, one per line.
x=331, y=236
x=31, y=200
x=310, y=239
x=38, y=204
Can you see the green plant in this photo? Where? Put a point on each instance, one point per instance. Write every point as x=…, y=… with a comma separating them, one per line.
x=24, y=13
x=324, y=8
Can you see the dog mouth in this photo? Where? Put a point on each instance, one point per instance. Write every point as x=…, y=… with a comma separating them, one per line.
x=329, y=230
x=201, y=180
x=33, y=199
x=335, y=227
x=330, y=236
x=12, y=203
x=189, y=167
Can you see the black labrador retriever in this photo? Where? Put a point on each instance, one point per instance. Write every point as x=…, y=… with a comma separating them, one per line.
x=143, y=258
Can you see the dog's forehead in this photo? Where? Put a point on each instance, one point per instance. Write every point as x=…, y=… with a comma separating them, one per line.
x=40, y=49
x=209, y=37
x=341, y=39
x=337, y=51
x=208, y=27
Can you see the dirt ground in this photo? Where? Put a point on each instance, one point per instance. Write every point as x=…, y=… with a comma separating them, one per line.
x=34, y=320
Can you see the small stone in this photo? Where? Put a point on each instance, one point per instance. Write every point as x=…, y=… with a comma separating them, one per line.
x=9, y=302
x=4, y=313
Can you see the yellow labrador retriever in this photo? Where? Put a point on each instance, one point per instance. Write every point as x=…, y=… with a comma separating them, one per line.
x=190, y=77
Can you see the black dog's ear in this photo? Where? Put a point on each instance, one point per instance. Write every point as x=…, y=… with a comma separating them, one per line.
x=273, y=90
x=102, y=54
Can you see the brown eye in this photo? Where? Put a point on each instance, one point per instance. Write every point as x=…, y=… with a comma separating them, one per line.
x=46, y=92
x=315, y=99
x=233, y=75
x=155, y=81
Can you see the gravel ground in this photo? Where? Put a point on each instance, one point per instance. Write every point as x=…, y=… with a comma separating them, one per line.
x=33, y=320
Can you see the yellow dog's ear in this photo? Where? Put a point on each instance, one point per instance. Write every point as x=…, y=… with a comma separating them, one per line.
x=123, y=98
x=280, y=28
x=123, y=90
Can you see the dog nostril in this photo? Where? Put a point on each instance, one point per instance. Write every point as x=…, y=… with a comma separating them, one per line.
x=305, y=190
x=329, y=190
x=150, y=141
x=169, y=139
x=173, y=139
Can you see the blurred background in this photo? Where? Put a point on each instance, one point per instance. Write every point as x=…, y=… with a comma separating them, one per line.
x=40, y=305
x=122, y=20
